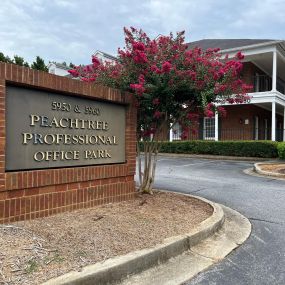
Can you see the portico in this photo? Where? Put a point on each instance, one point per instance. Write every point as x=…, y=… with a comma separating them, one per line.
x=263, y=118
x=268, y=81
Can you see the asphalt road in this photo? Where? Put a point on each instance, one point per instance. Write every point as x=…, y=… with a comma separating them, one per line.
x=261, y=259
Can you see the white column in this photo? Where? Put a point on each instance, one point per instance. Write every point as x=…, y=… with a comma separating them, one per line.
x=284, y=124
x=256, y=131
x=273, y=122
x=274, y=71
x=171, y=133
x=266, y=129
x=216, y=126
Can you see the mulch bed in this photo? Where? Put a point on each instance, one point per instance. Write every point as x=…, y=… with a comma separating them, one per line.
x=34, y=251
x=278, y=168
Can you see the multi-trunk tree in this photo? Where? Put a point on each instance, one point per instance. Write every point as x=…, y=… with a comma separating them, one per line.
x=172, y=84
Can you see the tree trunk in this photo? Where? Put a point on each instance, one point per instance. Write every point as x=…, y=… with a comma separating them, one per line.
x=147, y=166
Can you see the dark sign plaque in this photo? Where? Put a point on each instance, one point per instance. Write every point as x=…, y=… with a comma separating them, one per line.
x=51, y=130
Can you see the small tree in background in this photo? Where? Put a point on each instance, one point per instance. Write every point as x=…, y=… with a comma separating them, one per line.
x=39, y=64
x=4, y=58
x=171, y=84
x=20, y=61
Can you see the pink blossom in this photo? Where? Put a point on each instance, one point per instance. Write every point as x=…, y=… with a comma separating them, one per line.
x=141, y=79
x=138, y=46
x=239, y=56
x=166, y=67
x=92, y=78
x=114, y=73
x=222, y=111
x=175, y=47
x=192, y=74
x=189, y=53
x=138, y=88
x=74, y=72
x=135, y=86
x=152, y=47
x=216, y=76
x=209, y=113
x=95, y=61
x=157, y=115
x=140, y=57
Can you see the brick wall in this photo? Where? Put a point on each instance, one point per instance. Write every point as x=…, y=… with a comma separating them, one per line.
x=38, y=193
x=233, y=125
x=248, y=72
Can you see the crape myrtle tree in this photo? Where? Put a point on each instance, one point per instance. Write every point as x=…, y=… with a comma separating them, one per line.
x=172, y=84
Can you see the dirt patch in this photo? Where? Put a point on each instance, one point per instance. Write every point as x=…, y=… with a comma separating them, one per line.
x=278, y=168
x=34, y=251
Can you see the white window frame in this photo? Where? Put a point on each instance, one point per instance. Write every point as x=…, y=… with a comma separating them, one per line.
x=209, y=128
x=176, y=131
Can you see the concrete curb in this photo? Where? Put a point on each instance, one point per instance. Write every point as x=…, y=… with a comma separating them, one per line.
x=217, y=157
x=181, y=269
x=115, y=269
x=252, y=172
x=258, y=170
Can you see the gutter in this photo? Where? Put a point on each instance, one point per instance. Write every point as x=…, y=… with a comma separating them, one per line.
x=252, y=46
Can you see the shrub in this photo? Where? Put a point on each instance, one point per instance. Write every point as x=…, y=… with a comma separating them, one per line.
x=281, y=150
x=266, y=149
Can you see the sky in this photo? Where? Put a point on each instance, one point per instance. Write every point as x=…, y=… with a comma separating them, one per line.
x=72, y=30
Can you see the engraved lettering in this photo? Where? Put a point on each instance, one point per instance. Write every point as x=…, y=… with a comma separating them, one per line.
x=34, y=118
x=26, y=137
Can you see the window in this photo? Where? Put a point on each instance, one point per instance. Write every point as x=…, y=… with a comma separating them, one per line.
x=209, y=129
x=177, y=131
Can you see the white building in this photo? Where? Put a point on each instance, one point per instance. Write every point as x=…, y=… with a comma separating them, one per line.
x=58, y=69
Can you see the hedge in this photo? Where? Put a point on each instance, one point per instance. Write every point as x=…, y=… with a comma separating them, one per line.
x=281, y=150
x=266, y=149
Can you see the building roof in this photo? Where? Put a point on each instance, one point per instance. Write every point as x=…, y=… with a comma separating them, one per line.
x=59, y=65
x=224, y=44
x=106, y=55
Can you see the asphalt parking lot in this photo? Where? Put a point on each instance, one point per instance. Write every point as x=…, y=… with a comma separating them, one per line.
x=261, y=259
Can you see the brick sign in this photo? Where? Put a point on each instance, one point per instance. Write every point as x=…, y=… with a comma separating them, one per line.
x=64, y=144
x=51, y=130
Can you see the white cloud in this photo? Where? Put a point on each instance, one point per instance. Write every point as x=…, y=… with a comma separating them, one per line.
x=266, y=17
x=70, y=30
x=66, y=3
